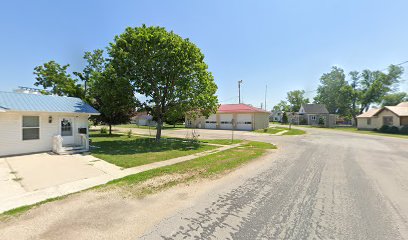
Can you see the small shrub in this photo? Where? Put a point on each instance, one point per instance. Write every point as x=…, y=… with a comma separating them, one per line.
x=303, y=121
x=129, y=133
x=265, y=129
x=404, y=130
x=384, y=129
x=394, y=130
x=321, y=121
x=104, y=130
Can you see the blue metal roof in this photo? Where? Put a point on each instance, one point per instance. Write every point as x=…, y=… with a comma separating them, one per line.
x=10, y=101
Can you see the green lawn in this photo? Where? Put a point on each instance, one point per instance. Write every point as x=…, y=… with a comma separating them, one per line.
x=221, y=141
x=135, y=151
x=203, y=167
x=355, y=130
x=165, y=126
x=258, y=145
x=274, y=130
x=162, y=178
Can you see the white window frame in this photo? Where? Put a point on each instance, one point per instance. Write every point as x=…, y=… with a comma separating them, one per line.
x=313, y=117
x=22, y=127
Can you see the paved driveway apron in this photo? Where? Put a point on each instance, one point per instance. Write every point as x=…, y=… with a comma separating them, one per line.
x=323, y=185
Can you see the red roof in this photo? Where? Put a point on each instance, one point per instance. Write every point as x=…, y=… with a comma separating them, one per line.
x=240, y=108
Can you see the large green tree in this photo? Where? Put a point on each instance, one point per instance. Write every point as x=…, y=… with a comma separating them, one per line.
x=335, y=92
x=55, y=80
x=169, y=70
x=114, y=98
x=393, y=99
x=375, y=85
x=295, y=99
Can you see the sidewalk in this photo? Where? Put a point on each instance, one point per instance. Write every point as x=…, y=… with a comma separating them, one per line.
x=111, y=173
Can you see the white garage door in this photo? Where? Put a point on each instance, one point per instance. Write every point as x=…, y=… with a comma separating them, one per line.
x=226, y=121
x=211, y=121
x=244, y=121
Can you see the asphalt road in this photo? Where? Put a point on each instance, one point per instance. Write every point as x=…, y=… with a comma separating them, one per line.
x=323, y=185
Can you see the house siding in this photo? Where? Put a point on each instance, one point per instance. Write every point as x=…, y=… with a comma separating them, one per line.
x=261, y=120
x=362, y=123
x=404, y=121
x=388, y=113
x=11, y=142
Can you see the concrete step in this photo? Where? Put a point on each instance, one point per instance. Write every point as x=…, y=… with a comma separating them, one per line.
x=72, y=150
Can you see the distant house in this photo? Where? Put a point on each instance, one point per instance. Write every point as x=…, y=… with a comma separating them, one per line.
x=389, y=115
x=38, y=123
x=142, y=119
x=232, y=116
x=276, y=116
x=315, y=115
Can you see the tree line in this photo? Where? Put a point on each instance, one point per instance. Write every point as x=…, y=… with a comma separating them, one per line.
x=351, y=94
x=162, y=66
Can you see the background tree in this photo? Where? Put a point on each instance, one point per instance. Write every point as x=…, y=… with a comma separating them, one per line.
x=295, y=99
x=167, y=69
x=393, y=99
x=114, y=98
x=282, y=106
x=335, y=92
x=54, y=78
x=95, y=65
x=375, y=85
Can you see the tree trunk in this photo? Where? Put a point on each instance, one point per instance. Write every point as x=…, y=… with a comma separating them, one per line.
x=110, y=129
x=158, y=129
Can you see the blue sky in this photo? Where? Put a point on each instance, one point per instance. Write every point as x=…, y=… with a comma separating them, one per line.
x=287, y=45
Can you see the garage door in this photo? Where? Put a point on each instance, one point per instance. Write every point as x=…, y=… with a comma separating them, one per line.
x=244, y=121
x=211, y=121
x=226, y=121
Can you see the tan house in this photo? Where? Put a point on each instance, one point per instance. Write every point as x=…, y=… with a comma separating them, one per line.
x=232, y=116
x=390, y=115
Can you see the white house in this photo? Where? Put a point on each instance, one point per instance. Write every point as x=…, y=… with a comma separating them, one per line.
x=276, y=116
x=38, y=123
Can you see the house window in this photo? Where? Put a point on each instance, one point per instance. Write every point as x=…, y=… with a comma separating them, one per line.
x=368, y=121
x=313, y=117
x=31, y=127
x=388, y=120
x=66, y=127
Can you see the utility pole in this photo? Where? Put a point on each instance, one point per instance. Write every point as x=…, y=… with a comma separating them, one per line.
x=266, y=89
x=239, y=91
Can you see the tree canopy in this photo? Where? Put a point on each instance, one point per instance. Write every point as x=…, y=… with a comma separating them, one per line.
x=335, y=92
x=114, y=98
x=295, y=99
x=393, y=99
x=55, y=80
x=169, y=70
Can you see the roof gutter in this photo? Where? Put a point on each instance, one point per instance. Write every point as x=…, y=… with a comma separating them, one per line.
x=84, y=113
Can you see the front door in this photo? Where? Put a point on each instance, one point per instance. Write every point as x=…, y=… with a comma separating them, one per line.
x=67, y=130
